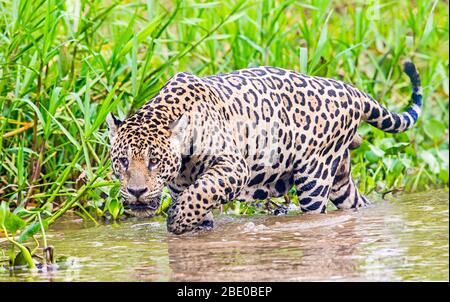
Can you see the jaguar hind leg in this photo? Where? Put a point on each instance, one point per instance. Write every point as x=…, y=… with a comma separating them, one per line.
x=313, y=188
x=344, y=194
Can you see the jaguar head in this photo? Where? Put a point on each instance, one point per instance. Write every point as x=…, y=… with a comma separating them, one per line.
x=145, y=156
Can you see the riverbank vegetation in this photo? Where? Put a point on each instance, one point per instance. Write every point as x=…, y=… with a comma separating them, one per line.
x=65, y=64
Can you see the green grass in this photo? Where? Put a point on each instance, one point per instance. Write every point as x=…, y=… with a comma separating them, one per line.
x=65, y=64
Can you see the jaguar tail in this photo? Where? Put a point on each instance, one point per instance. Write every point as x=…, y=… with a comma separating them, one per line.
x=380, y=117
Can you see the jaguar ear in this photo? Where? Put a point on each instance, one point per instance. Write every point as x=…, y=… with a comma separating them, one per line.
x=178, y=131
x=113, y=125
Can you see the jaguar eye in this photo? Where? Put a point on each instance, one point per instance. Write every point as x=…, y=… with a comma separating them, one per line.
x=152, y=163
x=124, y=162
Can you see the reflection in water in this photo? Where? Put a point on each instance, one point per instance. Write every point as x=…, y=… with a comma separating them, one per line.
x=411, y=242
x=317, y=248
x=401, y=239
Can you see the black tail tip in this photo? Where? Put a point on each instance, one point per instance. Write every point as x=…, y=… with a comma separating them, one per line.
x=409, y=68
x=411, y=71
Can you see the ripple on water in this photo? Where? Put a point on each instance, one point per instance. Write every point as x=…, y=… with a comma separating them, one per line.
x=402, y=238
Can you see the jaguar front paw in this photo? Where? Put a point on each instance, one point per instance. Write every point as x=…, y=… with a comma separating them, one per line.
x=176, y=223
x=207, y=223
x=180, y=221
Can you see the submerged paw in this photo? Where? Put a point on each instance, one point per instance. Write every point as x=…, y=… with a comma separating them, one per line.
x=206, y=225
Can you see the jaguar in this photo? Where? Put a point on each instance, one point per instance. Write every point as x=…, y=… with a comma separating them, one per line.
x=251, y=134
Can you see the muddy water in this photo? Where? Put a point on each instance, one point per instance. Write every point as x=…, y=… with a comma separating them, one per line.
x=402, y=238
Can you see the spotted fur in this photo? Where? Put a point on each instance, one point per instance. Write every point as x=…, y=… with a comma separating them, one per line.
x=249, y=134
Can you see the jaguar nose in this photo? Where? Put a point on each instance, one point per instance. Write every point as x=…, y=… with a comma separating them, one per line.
x=137, y=192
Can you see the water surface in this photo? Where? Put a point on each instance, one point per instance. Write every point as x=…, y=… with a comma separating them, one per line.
x=402, y=238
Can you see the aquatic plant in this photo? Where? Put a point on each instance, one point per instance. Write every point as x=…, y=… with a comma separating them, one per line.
x=10, y=224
